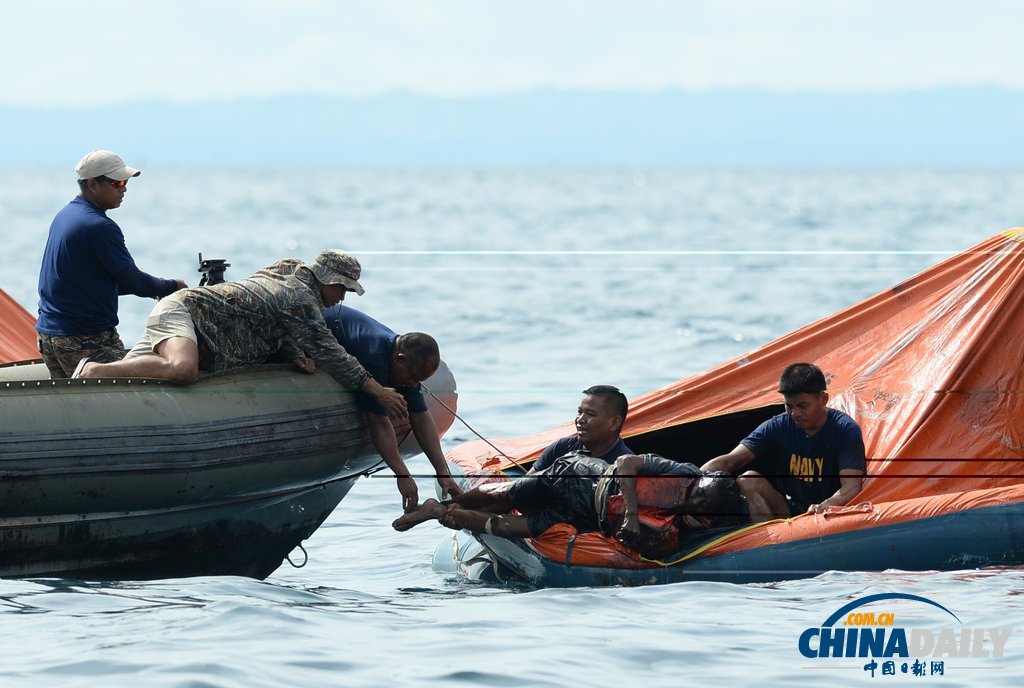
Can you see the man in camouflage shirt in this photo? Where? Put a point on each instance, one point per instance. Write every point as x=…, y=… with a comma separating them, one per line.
x=279, y=310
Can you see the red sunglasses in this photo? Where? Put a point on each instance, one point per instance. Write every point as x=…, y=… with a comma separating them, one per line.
x=116, y=183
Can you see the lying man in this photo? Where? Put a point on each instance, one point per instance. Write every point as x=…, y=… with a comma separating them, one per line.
x=401, y=362
x=642, y=501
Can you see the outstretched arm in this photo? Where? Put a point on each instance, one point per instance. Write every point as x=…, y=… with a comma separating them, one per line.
x=131, y=280
x=392, y=401
x=425, y=431
x=383, y=435
x=627, y=468
x=731, y=462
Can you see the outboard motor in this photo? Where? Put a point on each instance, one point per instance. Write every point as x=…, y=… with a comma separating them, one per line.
x=212, y=270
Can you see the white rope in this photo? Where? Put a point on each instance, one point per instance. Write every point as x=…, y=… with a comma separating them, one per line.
x=489, y=443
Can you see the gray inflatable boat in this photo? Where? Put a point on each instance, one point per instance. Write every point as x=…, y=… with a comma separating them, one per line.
x=141, y=479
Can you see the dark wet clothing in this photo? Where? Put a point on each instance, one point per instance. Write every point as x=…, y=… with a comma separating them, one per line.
x=574, y=489
x=572, y=443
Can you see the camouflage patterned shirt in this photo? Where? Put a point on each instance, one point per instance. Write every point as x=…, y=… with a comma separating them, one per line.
x=277, y=309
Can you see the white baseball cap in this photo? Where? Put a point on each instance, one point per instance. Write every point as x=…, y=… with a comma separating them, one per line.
x=103, y=163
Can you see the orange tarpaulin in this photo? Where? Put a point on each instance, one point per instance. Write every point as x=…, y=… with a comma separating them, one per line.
x=932, y=369
x=17, y=333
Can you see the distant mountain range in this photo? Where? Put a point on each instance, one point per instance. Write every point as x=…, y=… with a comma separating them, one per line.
x=940, y=127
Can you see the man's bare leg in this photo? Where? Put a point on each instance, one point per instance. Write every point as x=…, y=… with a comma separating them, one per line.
x=763, y=500
x=176, y=358
x=489, y=497
x=473, y=520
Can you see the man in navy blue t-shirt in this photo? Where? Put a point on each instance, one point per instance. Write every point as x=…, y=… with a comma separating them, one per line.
x=85, y=267
x=401, y=362
x=814, y=454
x=599, y=419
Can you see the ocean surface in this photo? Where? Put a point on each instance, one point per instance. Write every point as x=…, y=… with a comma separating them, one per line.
x=537, y=283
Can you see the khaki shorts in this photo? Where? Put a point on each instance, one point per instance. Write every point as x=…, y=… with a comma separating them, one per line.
x=169, y=318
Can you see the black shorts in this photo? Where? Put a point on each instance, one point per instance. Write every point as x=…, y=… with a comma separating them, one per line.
x=795, y=507
x=561, y=493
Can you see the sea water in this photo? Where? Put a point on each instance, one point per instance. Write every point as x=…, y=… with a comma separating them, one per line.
x=537, y=283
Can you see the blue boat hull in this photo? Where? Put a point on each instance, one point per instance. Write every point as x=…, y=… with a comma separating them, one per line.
x=969, y=539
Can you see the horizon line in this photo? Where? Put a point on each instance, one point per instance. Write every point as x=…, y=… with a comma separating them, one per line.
x=537, y=90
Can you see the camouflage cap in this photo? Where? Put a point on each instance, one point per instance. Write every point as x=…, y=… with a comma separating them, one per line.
x=337, y=267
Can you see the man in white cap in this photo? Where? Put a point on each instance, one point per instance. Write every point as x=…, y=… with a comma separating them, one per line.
x=85, y=266
x=276, y=312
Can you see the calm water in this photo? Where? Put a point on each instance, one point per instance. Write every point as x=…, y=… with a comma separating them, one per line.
x=536, y=283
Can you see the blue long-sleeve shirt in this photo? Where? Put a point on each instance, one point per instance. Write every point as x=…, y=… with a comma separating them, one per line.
x=85, y=267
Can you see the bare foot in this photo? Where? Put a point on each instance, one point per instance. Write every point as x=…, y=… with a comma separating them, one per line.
x=429, y=509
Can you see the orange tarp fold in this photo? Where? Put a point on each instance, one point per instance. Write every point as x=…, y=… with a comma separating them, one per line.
x=17, y=331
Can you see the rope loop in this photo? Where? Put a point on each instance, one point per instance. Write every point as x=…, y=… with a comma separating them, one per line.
x=305, y=555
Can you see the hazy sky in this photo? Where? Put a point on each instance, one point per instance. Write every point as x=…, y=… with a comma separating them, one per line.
x=65, y=53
